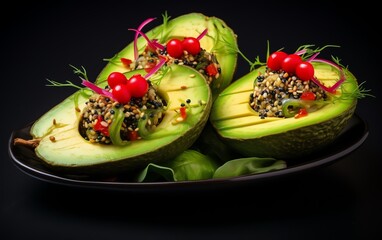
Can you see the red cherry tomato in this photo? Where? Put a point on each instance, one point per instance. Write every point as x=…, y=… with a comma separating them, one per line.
x=137, y=86
x=175, y=48
x=304, y=71
x=116, y=78
x=191, y=45
x=121, y=93
x=275, y=59
x=290, y=63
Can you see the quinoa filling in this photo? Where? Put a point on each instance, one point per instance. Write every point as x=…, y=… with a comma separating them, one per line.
x=99, y=114
x=272, y=88
x=204, y=62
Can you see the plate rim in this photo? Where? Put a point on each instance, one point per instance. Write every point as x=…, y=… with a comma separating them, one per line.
x=51, y=177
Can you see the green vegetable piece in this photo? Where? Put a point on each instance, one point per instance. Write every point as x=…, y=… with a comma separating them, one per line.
x=250, y=165
x=192, y=165
x=220, y=40
x=70, y=153
x=241, y=127
x=211, y=145
x=115, y=128
x=155, y=173
x=188, y=166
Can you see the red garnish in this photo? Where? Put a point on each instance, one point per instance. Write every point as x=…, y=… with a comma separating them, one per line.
x=137, y=86
x=275, y=60
x=136, y=54
x=133, y=135
x=175, y=48
x=116, y=78
x=149, y=66
x=304, y=71
x=202, y=34
x=301, y=113
x=121, y=93
x=149, y=42
x=333, y=88
x=183, y=112
x=126, y=62
x=290, y=63
x=101, y=126
x=211, y=70
x=308, y=96
x=157, y=67
x=191, y=45
x=97, y=89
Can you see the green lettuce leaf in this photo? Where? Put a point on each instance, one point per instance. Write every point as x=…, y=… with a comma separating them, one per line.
x=249, y=165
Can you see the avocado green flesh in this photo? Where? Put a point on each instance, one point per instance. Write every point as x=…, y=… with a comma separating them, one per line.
x=242, y=128
x=70, y=152
x=220, y=39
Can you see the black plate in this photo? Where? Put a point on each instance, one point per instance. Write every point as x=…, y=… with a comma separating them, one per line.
x=349, y=140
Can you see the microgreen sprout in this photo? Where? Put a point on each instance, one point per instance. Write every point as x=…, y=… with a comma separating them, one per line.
x=359, y=93
x=81, y=72
x=59, y=84
x=164, y=33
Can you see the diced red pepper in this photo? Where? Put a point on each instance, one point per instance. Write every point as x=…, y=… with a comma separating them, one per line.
x=149, y=66
x=126, y=62
x=99, y=127
x=308, y=96
x=183, y=112
x=301, y=113
x=150, y=49
x=211, y=70
x=133, y=135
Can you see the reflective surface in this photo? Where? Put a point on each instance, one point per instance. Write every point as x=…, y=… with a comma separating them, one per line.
x=349, y=140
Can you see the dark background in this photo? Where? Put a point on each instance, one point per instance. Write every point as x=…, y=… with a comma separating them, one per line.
x=40, y=40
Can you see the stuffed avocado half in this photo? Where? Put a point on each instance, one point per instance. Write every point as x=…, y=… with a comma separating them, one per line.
x=64, y=148
x=215, y=57
x=249, y=130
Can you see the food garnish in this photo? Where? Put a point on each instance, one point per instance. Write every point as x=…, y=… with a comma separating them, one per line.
x=289, y=86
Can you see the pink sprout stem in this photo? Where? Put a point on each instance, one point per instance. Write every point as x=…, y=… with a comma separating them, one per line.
x=156, y=68
x=96, y=89
x=202, y=34
x=333, y=88
x=151, y=44
x=144, y=23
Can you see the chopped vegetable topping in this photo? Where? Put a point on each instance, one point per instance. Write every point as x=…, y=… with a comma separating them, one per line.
x=182, y=51
x=289, y=87
x=98, y=116
x=274, y=87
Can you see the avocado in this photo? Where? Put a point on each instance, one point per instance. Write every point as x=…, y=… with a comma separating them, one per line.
x=63, y=148
x=241, y=127
x=219, y=40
